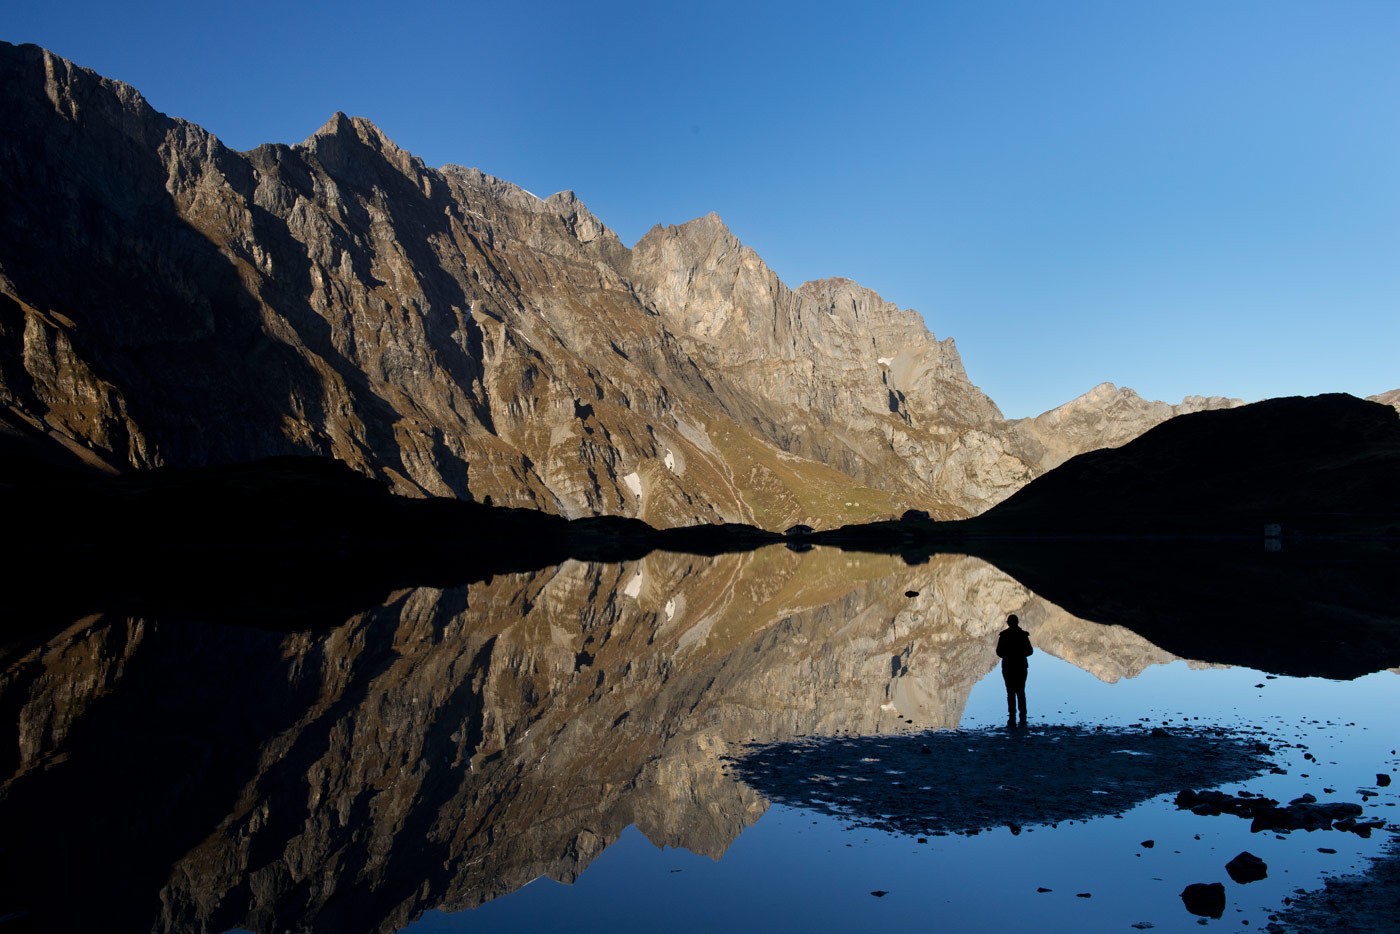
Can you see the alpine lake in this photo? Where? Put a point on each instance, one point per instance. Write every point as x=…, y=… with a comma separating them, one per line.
x=776, y=740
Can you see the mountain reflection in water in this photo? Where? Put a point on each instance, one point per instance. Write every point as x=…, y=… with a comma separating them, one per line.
x=452, y=745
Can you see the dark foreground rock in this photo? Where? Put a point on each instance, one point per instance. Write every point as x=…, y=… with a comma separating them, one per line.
x=975, y=780
x=1206, y=899
x=1247, y=868
x=1305, y=813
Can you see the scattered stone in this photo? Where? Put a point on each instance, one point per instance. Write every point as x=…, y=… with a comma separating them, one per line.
x=1043, y=890
x=1382, y=779
x=1247, y=868
x=1204, y=898
x=1302, y=813
x=1158, y=731
x=1326, y=849
x=1144, y=925
x=911, y=593
x=1083, y=895
x=1149, y=844
x=879, y=893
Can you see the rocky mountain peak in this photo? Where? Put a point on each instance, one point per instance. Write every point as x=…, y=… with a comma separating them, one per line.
x=353, y=147
x=165, y=300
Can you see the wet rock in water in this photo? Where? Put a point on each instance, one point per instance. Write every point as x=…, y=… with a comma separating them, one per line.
x=1302, y=813
x=1204, y=898
x=1144, y=925
x=1042, y=890
x=1149, y=844
x=1382, y=779
x=1326, y=849
x=1303, y=816
x=1247, y=868
x=1158, y=731
x=1083, y=894
x=879, y=893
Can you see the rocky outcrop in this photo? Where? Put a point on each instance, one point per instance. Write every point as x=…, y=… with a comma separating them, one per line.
x=451, y=746
x=167, y=301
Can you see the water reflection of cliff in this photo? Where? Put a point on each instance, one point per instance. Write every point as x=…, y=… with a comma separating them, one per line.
x=450, y=746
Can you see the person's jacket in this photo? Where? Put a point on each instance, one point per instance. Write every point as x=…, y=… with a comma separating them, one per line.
x=1013, y=646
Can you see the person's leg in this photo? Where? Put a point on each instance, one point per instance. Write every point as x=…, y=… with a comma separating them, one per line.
x=1010, y=681
x=1021, y=695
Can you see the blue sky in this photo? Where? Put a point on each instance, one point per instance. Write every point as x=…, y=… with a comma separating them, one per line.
x=1182, y=197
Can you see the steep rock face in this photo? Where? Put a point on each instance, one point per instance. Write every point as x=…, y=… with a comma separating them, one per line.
x=451, y=746
x=842, y=375
x=165, y=300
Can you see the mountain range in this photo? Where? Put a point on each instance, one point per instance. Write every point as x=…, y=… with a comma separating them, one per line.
x=165, y=300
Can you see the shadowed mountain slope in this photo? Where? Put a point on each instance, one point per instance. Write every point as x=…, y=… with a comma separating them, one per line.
x=1320, y=465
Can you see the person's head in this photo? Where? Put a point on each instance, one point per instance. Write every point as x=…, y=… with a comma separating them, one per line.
x=1013, y=622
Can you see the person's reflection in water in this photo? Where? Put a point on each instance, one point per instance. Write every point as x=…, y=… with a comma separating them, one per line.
x=1013, y=648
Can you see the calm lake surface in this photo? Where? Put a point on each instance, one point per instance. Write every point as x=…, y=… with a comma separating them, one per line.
x=583, y=746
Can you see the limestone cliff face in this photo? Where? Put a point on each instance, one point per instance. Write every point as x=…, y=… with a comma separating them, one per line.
x=842, y=376
x=165, y=300
x=451, y=746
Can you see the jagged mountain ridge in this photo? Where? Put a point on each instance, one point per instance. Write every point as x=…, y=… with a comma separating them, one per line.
x=165, y=300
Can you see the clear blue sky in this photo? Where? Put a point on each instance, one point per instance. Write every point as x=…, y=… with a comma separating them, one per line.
x=1181, y=197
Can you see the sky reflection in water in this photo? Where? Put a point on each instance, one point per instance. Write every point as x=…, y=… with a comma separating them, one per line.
x=799, y=871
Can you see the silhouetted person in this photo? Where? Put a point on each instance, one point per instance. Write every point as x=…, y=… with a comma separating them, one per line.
x=1013, y=648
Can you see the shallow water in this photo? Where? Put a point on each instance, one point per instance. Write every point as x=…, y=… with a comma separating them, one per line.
x=799, y=870
x=436, y=763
